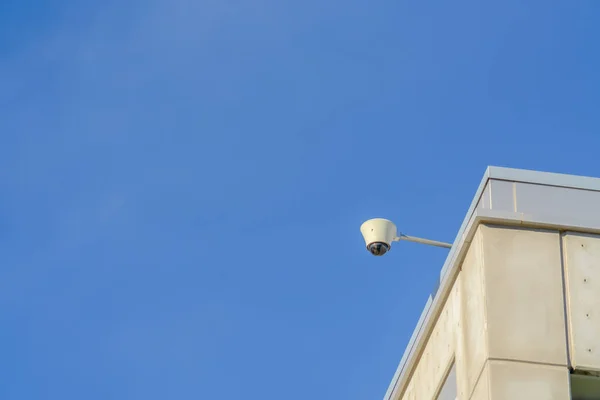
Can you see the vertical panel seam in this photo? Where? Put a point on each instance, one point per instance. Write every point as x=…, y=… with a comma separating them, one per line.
x=563, y=267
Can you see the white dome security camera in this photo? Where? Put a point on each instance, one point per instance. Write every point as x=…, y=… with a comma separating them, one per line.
x=379, y=233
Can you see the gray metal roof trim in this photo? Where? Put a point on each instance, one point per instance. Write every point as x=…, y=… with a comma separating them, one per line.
x=544, y=178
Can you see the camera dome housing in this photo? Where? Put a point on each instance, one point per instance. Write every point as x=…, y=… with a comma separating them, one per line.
x=379, y=233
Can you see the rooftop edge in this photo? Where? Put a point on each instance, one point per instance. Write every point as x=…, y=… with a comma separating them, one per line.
x=463, y=238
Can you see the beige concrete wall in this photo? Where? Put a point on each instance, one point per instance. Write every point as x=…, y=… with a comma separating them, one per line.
x=436, y=359
x=512, y=380
x=451, y=334
x=582, y=273
x=524, y=314
x=524, y=295
x=471, y=326
x=503, y=323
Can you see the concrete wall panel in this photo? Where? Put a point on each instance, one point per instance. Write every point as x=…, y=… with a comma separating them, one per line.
x=472, y=348
x=582, y=271
x=524, y=295
x=511, y=380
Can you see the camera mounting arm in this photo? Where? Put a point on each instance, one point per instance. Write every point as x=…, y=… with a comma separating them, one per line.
x=422, y=241
x=379, y=233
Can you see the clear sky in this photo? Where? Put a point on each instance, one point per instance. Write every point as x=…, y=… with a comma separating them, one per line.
x=182, y=181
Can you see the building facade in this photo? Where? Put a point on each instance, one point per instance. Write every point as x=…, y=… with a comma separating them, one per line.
x=516, y=314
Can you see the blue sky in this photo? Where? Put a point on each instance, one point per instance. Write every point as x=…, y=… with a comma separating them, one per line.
x=182, y=182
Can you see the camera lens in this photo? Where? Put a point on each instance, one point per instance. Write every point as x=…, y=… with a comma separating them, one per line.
x=378, y=248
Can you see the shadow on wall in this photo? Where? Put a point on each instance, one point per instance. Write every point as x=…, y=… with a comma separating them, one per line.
x=449, y=389
x=584, y=387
